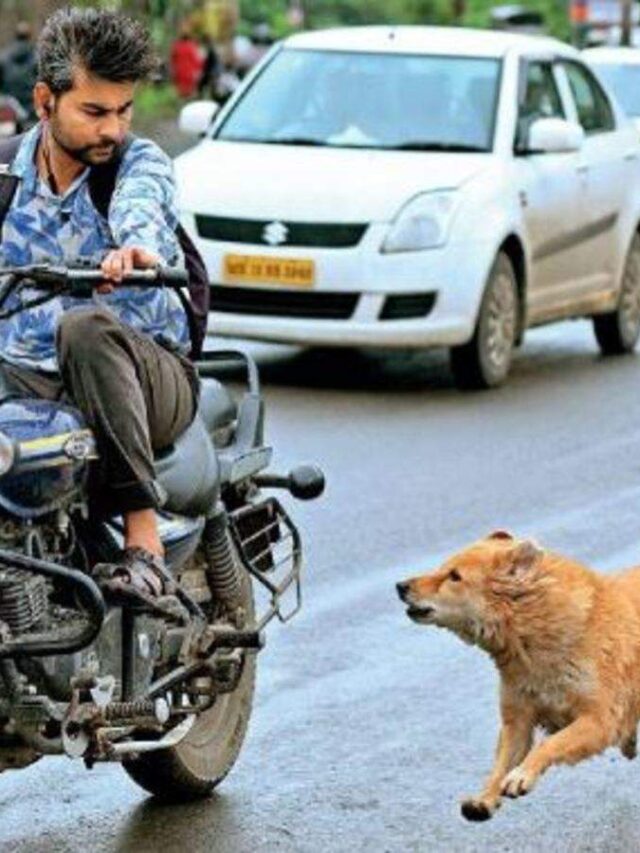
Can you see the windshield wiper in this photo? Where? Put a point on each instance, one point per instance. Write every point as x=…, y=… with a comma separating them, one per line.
x=285, y=140
x=296, y=140
x=419, y=145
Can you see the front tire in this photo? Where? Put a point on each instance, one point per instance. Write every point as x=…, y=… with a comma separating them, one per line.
x=485, y=361
x=194, y=767
x=617, y=333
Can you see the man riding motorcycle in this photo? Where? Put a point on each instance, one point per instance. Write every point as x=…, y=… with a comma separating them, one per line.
x=121, y=358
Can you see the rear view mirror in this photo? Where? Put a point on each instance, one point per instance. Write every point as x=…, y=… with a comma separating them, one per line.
x=195, y=118
x=553, y=136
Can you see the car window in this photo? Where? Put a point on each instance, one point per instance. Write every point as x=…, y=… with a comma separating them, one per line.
x=369, y=100
x=624, y=82
x=541, y=97
x=594, y=111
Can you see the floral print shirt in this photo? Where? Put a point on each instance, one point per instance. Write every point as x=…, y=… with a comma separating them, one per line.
x=42, y=227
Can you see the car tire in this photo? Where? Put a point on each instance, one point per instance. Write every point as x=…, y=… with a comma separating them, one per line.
x=617, y=332
x=485, y=361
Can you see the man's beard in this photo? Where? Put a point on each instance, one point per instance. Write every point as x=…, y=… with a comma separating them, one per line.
x=88, y=155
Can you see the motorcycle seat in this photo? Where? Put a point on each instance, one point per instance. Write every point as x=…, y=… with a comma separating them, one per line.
x=216, y=406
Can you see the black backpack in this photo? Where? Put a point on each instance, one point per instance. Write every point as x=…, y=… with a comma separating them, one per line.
x=102, y=181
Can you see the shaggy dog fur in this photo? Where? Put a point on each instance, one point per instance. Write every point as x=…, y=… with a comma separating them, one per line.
x=565, y=640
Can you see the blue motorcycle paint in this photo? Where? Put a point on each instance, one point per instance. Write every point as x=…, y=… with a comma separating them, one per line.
x=44, y=476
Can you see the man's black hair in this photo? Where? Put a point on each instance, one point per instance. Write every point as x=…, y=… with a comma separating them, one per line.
x=103, y=42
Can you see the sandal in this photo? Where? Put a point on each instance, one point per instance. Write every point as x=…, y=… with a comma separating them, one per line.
x=140, y=582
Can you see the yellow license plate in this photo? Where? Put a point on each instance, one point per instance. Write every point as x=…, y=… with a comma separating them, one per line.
x=255, y=269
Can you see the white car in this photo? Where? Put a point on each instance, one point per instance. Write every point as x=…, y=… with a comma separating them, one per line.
x=619, y=68
x=417, y=187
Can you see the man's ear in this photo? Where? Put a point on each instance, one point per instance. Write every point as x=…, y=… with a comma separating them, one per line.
x=524, y=557
x=500, y=534
x=42, y=100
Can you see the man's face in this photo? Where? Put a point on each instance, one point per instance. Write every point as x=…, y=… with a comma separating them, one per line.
x=89, y=120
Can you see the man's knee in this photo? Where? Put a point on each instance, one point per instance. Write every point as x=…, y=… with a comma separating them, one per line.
x=83, y=333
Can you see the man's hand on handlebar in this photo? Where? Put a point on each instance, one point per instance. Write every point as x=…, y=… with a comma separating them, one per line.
x=121, y=262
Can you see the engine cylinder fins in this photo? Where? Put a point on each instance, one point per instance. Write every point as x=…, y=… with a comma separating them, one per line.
x=23, y=600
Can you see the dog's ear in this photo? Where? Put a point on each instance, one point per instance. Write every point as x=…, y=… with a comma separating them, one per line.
x=524, y=557
x=500, y=534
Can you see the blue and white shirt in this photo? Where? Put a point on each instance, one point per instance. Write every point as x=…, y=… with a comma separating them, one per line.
x=42, y=227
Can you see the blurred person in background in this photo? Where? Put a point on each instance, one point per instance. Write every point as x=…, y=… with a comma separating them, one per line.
x=208, y=84
x=18, y=69
x=186, y=62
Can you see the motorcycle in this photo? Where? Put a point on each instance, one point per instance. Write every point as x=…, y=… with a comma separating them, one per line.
x=167, y=692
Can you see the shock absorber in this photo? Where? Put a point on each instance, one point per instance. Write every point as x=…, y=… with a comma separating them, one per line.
x=223, y=570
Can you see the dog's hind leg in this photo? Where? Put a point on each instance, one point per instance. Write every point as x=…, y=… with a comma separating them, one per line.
x=514, y=742
x=585, y=737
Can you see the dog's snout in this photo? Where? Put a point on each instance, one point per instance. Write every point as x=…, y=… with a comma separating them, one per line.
x=403, y=589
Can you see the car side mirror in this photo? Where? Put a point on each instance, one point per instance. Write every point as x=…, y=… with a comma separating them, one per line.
x=195, y=118
x=553, y=136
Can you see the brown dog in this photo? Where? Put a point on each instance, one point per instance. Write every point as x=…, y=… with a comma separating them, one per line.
x=566, y=642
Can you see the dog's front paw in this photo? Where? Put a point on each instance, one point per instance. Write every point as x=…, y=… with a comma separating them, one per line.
x=518, y=783
x=629, y=747
x=475, y=808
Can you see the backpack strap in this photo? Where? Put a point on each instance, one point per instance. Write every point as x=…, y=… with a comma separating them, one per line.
x=102, y=179
x=8, y=183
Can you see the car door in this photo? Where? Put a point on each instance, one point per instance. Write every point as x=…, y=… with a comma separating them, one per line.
x=609, y=161
x=552, y=189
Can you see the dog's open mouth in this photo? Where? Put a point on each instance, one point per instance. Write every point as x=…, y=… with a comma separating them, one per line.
x=420, y=612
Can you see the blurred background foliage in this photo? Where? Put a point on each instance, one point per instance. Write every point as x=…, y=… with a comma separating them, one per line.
x=165, y=15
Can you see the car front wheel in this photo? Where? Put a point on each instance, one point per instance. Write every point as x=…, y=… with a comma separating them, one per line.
x=485, y=361
x=618, y=331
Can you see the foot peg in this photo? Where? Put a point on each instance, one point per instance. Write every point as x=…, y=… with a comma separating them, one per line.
x=217, y=637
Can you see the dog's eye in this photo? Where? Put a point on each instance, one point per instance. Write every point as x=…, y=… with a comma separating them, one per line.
x=454, y=575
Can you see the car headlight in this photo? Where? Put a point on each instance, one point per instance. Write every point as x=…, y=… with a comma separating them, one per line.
x=7, y=453
x=423, y=223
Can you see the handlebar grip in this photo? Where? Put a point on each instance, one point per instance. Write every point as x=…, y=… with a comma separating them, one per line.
x=173, y=276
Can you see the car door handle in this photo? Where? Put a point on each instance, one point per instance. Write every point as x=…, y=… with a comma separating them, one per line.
x=582, y=169
x=631, y=155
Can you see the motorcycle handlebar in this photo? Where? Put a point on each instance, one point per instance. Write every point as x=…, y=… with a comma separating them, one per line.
x=61, y=276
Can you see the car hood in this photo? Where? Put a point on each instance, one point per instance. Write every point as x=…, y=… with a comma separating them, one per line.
x=252, y=181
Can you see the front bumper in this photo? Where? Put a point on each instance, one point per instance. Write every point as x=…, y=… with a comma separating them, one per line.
x=454, y=274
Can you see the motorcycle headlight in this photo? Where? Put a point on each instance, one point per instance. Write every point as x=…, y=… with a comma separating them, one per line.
x=7, y=454
x=423, y=223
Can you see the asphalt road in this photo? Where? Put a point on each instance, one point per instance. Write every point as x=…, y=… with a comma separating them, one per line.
x=367, y=728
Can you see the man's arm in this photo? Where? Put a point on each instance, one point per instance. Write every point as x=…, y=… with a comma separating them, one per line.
x=142, y=213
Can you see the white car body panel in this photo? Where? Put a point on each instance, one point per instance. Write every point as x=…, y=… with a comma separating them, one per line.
x=555, y=206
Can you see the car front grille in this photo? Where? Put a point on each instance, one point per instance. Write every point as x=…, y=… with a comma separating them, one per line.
x=275, y=233
x=283, y=303
x=407, y=306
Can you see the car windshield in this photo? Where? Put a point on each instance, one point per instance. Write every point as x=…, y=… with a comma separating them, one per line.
x=624, y=82
x=367, y=100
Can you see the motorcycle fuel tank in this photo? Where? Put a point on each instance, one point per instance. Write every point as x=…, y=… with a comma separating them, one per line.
x=52, y=448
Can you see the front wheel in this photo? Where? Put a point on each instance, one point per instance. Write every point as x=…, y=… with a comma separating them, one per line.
x=485, y=361
x=194, y=767
x=617, y=332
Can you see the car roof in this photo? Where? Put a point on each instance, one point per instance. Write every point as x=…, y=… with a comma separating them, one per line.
x=451, y=41
x=612, y=55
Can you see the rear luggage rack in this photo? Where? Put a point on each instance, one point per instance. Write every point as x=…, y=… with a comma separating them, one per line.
x=269, y=546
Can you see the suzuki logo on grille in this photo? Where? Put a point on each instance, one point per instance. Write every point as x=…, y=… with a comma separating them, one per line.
x=275, y=233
